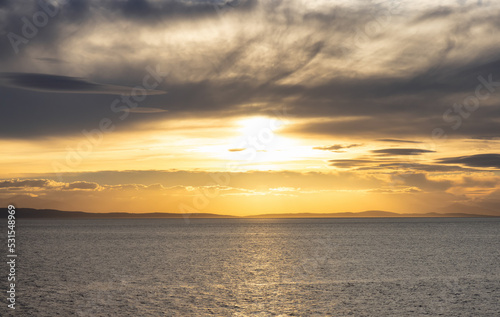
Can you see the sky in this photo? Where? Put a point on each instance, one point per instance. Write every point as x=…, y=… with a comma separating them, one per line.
x=250, y=107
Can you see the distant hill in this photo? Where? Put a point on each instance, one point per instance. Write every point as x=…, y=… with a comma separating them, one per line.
x=51, y=213
x=366, y=214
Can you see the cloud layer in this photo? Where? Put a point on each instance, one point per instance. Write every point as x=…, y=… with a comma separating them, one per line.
x=369, y=65
x=190, y=191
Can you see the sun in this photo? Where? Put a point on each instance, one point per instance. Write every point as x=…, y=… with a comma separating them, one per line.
x=259, y=125
x=259, y=145
x=254, y=143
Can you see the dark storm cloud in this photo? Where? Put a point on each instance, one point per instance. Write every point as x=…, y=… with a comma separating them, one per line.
x=391, y=152
x=64, y=84
x=478, y=160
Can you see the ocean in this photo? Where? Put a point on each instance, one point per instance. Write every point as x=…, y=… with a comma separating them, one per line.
x=256, y=267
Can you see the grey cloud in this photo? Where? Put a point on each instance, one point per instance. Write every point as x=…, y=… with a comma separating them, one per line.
x=221, y=80
x=350, y=163
x=432, y=14
x=398, y=141
x=431, y=168
x=64, y=84
x=146, y=110
x=71, y=15
x=50, y=60
x=486, y=137
x=58, y=112
x=385, y=165
x=400, y=151
x=151, y=11
x=411, y=177
x=485, y=122
x=46, y=184
x=478, y=160
x=336, y=147
x=25, y=183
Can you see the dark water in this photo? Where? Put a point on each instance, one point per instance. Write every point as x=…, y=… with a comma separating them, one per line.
x=268, y=267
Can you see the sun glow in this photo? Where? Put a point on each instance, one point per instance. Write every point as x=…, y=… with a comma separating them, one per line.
x=258, y=145
x=259, y=125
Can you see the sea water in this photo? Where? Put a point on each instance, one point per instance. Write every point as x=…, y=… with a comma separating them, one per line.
x=256, y=267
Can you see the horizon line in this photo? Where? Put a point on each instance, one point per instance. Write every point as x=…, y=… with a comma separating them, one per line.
x=55, y=213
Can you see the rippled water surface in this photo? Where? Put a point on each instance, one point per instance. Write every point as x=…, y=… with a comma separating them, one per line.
x=262, y=267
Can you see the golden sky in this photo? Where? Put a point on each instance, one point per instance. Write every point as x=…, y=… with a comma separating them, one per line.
x=251, y=107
